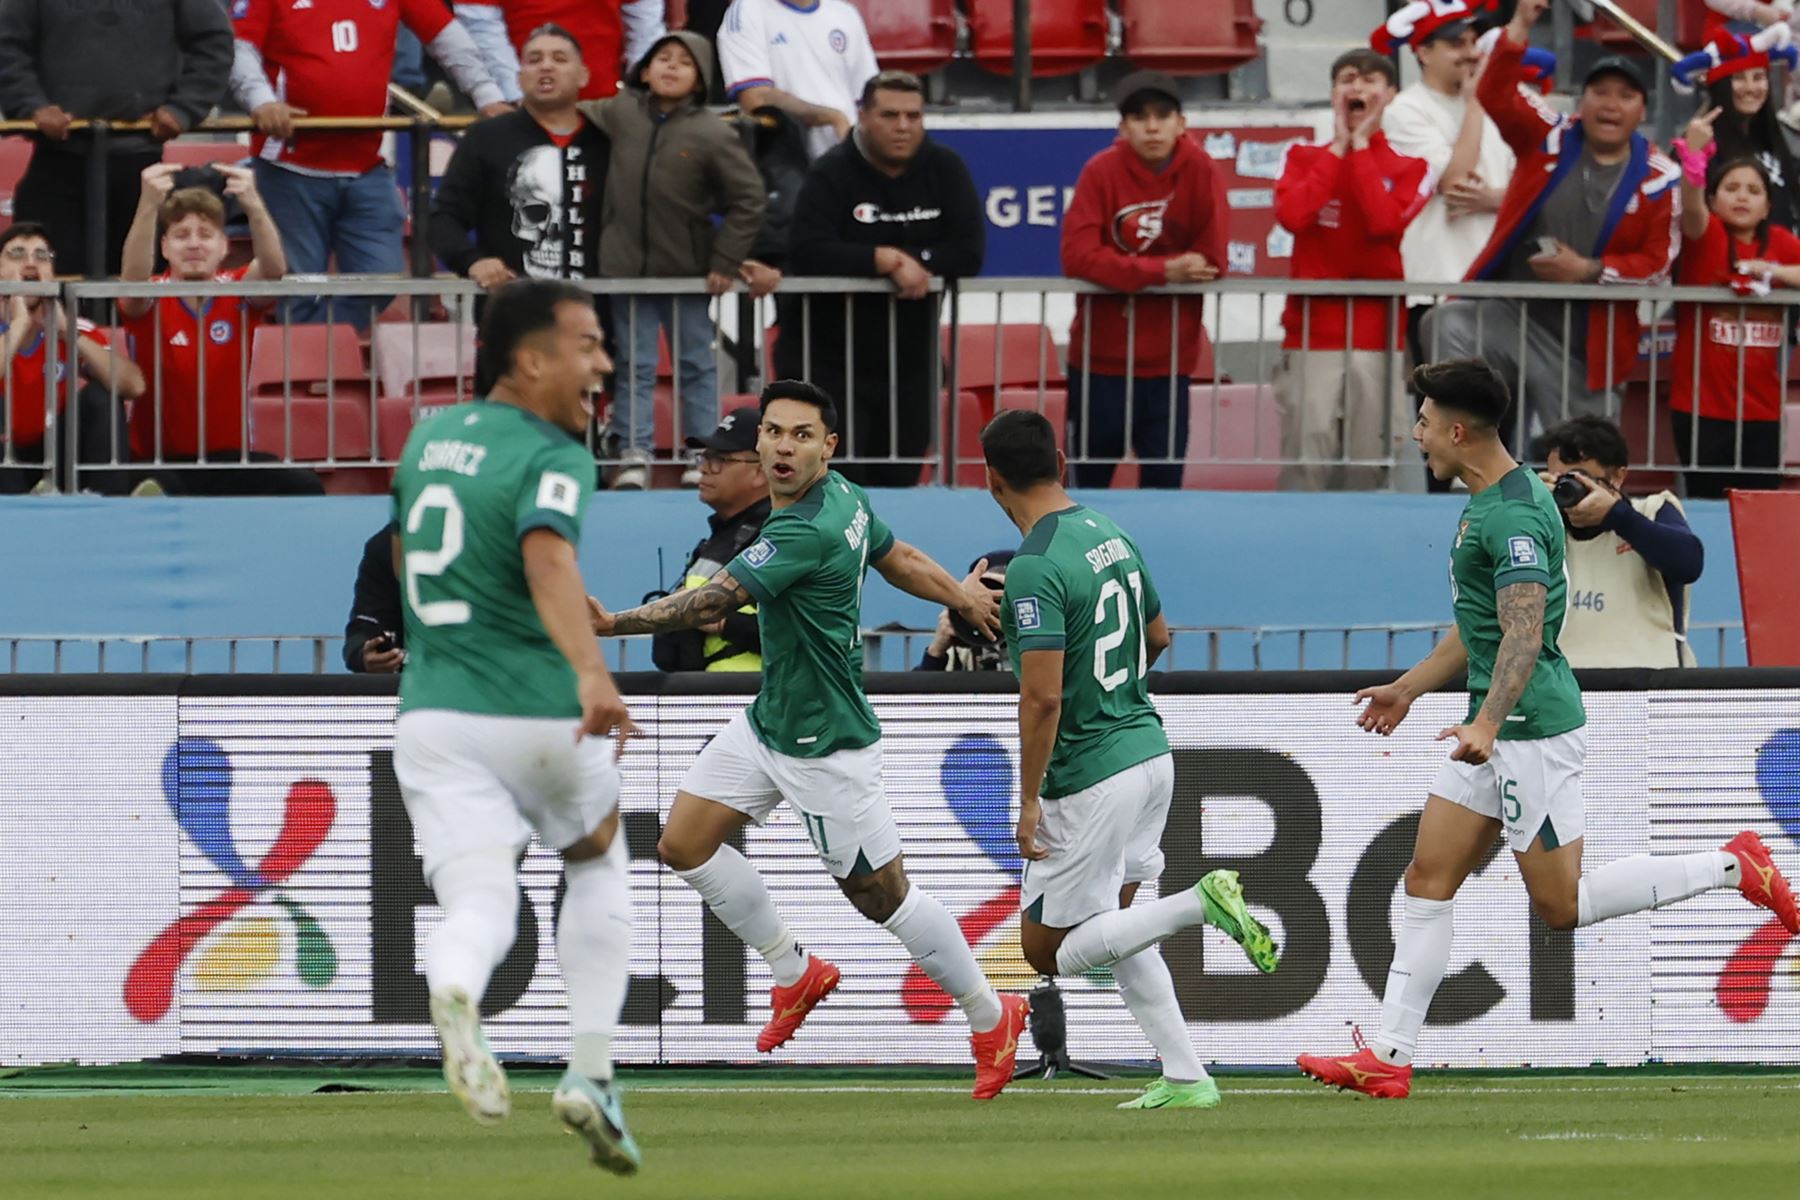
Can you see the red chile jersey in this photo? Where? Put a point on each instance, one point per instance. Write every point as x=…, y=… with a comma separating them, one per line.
x=333, y=59
x=1721, y=330
x=23, y=387
x=175, y=343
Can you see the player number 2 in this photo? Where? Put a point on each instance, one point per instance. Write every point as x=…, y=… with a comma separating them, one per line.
x=1113, y=594
x=432, y=563
x=344, y=37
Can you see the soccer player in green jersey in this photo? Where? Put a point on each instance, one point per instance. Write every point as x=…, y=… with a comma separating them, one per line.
x=506, y=700
x=1084, y=625
x=811, y=738
x=1517, y=762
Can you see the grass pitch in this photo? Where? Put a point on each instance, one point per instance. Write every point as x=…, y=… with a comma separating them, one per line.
x=795, y=1134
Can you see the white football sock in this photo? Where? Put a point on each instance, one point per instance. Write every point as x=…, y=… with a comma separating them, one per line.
x=1149, y=992
x=479, y=894
x=736, y=894
x=930, y=935
x=1652, y=880
x=1103, y=940
x=1421, y=952
x=593, y=947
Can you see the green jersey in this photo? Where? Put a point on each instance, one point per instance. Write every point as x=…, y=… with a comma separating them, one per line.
x=1078, y=584
x=472, y=481
x=1511, y=532
x=806, y=572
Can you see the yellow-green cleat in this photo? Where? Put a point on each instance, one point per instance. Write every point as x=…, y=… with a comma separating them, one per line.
x=1225, y=910
x=1163, y=1094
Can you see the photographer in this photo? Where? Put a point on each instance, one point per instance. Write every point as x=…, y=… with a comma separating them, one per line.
x=1630, y=562
x=375, y=634
x=955, y=648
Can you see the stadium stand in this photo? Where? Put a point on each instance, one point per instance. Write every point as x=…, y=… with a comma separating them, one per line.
x=911, y=35
x=1066, y=35
x=1190, y=38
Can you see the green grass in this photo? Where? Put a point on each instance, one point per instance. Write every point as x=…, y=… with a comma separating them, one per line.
x=797, y=1135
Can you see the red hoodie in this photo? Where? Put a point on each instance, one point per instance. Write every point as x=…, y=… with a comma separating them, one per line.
x=1125, y=222
x=1347, y=215
x=598, y=27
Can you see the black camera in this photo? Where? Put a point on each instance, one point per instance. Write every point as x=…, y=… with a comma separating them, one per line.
x=207, y=179
x=966, y=633
x=1569, y=489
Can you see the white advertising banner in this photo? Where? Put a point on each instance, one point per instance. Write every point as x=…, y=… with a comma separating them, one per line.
x=236, y=875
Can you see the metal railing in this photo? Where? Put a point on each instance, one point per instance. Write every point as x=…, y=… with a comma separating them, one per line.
x=323, y=397
x=1193, y=648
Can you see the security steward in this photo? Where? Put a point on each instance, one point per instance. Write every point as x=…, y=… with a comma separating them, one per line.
x=732, y=484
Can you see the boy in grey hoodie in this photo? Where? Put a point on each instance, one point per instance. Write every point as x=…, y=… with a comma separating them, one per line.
x=674, y=166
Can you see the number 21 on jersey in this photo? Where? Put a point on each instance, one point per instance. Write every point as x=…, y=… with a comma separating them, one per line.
x=1123, y=614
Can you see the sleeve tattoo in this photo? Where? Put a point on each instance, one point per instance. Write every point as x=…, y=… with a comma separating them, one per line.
x=687, y=609
x=1521, y=612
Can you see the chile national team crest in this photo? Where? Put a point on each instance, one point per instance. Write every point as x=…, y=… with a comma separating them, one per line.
x=839, y=42
x=219, y=332
x=1136, y=227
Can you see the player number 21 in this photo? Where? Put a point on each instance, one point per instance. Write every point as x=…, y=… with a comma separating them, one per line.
x=1111, y=593
x=431, y=563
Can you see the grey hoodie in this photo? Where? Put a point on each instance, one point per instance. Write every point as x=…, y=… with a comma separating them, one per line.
x=668, y=177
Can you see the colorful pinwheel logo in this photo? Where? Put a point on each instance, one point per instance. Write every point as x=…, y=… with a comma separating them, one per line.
x=196, y=782
x=1744, y=985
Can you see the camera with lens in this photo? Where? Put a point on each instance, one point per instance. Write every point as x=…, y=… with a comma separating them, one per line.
x=1569, y=489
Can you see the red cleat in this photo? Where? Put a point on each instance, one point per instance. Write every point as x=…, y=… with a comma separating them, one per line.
x=1761, y=880
x=789, y=1005
x=998, y=1048
x=1360, y=1072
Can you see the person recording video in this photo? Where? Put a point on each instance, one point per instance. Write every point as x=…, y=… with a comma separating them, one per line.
x=1630, y=562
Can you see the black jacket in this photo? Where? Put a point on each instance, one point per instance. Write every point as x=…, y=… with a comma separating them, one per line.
x=510, y=194
x=846, y=209
x=684, y=650
x=375, y=608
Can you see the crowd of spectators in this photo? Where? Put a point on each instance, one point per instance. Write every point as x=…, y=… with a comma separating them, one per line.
x=597, y=157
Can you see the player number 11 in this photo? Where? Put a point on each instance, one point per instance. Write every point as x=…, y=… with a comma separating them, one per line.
x=1111, y=592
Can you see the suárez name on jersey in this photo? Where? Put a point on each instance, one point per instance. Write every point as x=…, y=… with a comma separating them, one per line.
x=1112, y=550
x=462, y=457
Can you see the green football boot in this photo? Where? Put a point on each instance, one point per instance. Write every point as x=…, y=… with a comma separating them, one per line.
x=1163, y=1094
x=1225, y=910
x=591, y=1109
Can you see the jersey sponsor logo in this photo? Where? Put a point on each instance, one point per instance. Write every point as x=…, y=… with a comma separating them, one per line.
x=180, y=338
x=779, y=39
x=1136, y=227
x=760, y=554
x=839, y=42
x=1523, y=552
x=219, y=331
x=558, y=493
x=1026, y=614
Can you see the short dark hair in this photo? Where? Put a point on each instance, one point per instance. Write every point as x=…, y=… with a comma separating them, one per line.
x=1020, y=445
x=891, y=81
x=25, y=229
x=1588, y=438
x=1366, y=62
x=552, y=29
x=515, y=312
x=1468, y=385
x=806, y=393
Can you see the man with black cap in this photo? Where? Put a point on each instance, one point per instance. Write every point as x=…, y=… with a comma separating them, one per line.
x=1592, y=201
x=732, y=484
x=1148, y=211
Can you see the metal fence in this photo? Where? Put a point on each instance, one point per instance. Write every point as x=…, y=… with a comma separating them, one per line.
x=338, y=398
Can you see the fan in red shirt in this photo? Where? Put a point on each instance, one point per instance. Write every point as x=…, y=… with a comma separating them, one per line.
x=26, y=256
x=195, y=351
x=1727, y=366
x=331, y=193
x=612, y=34
x=1341, y=387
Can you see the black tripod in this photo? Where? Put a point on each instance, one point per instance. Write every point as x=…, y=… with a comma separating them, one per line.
x=1049, y=1033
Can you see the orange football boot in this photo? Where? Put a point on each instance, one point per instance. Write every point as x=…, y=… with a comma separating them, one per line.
x=788, y=1006
x=998, y=1049
x=1360, y=1072
x=1761, y=880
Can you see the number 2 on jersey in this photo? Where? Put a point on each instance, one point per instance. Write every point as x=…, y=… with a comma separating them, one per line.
x=432, y=563
x=1113, y=593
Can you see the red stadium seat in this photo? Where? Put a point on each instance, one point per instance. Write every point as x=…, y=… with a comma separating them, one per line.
x=1066, y=35
x=427, y=356
x=1193, y=38
x=974, y=411
x=1237, y=423
x=1027, y=353
x=323, y=427
x=309, y=359
x=15, y=156
x=911, y=35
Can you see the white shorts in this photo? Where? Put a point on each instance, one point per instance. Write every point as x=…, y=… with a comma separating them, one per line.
x=838, y=798
x=474, y=782
x=1531, y=787
x=1100, y=839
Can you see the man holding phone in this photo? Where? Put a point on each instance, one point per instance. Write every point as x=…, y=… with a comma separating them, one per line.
x=375, y=634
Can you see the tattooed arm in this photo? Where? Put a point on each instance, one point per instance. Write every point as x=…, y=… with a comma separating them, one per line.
x=1521, y=613
x=689, y=609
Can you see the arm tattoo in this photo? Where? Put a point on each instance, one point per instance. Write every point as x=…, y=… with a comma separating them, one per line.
x=1521, y=611
x=685, y=610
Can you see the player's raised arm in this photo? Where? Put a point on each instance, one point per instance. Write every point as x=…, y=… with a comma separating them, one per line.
x=717, y=598
x=917, y=574
x=554, y=578
x=1520, y=607
x=1388, y=704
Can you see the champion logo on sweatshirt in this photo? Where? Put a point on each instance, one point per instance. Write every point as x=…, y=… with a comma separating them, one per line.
x=1136, y=227
x=871, y=214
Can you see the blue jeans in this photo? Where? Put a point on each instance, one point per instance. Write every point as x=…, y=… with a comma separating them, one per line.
x=1122, y=411
x=690, y=329
x=357, y=218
